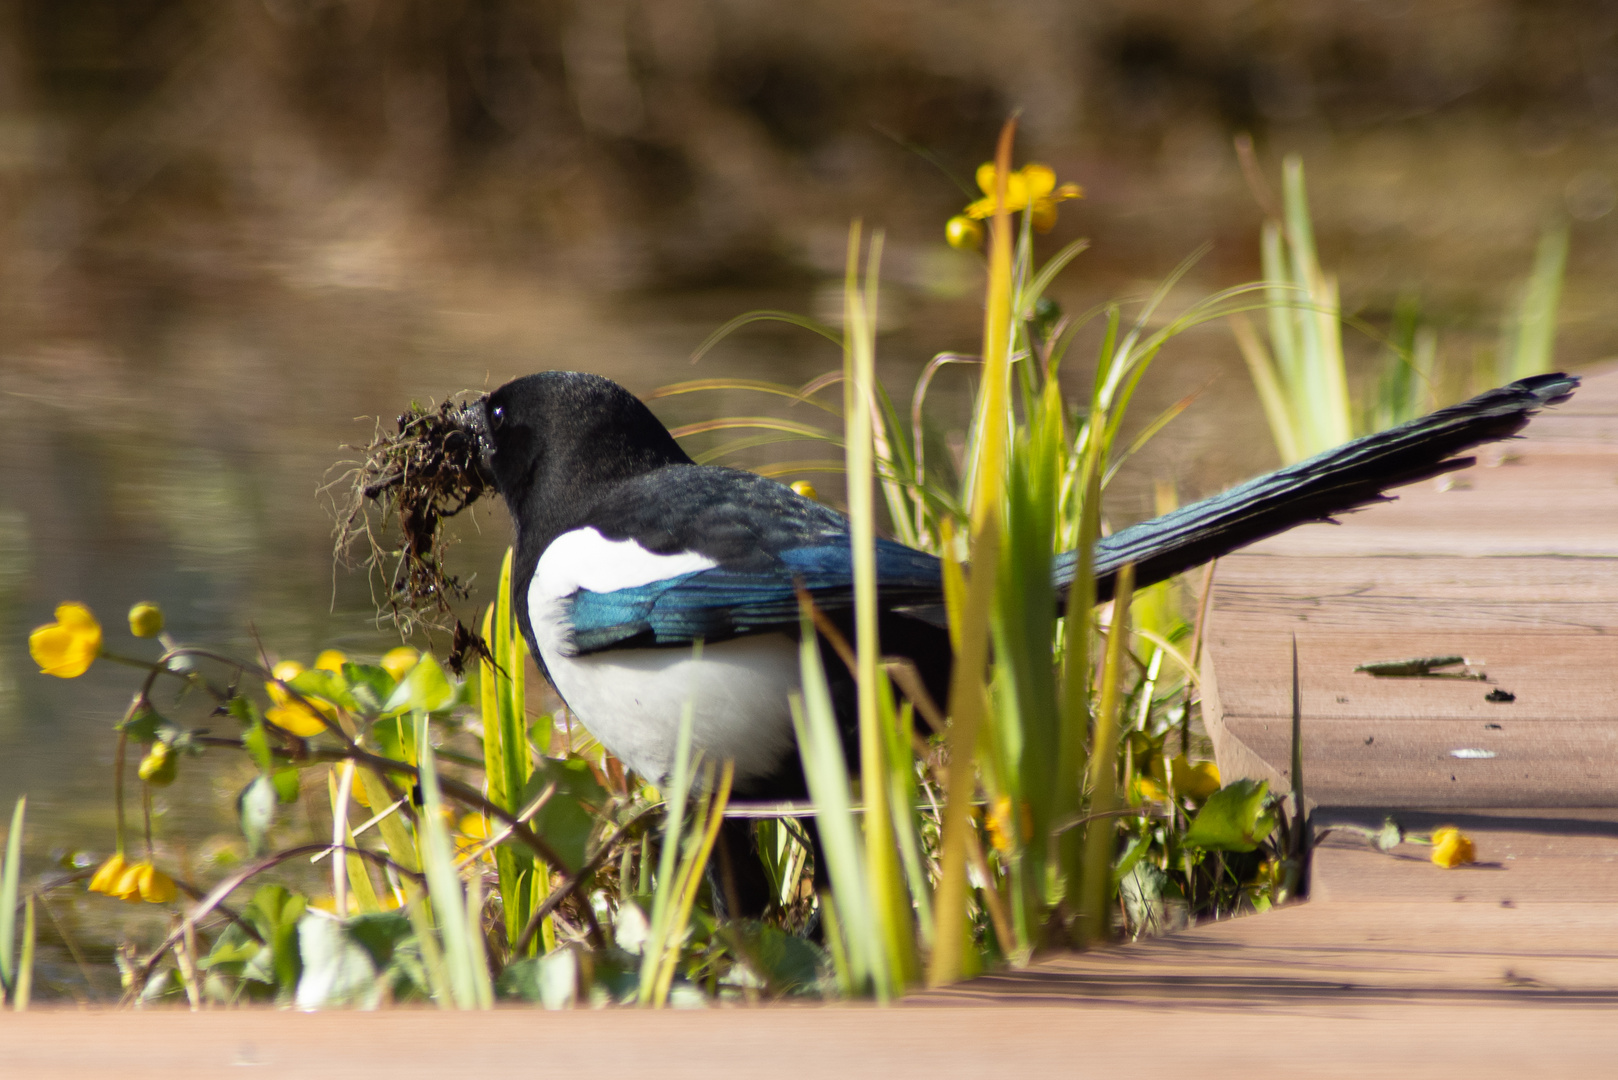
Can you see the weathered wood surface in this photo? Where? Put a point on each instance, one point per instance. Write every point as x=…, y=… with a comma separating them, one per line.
x=1512, y=563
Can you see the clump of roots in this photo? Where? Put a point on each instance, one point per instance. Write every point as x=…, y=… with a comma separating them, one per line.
x=397, y=498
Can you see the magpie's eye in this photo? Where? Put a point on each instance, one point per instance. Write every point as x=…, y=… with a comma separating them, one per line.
x=497, y=416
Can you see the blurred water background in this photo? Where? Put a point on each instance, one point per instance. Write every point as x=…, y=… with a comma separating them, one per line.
x=232, y=234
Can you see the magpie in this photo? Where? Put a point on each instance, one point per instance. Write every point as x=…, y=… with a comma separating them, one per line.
x=629, y=554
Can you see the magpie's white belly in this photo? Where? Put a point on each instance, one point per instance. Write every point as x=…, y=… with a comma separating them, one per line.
x=632, y=699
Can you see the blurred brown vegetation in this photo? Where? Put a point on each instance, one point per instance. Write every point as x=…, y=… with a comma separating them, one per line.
x=177, y=146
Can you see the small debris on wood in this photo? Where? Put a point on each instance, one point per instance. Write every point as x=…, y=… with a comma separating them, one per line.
x=1420, y=667
x=1503, y=696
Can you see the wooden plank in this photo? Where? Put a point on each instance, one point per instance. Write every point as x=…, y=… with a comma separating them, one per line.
x=1512, y=563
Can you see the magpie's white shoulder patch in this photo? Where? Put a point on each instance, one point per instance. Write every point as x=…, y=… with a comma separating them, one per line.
x=584, y=559
x=631, y=699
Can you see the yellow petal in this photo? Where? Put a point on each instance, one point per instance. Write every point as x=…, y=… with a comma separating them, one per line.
x=296, y=719
x=1039, y=181
x=67, y=647
x=986, y=178
x=331, y=660
x=287, y=670
x=156, y=887
x=1043, y=215
x=128, y=886
x=475, y=826
x=1068, y=191
x=106, y=877
x=1451, y=848
x=400, y=660
x=145, y=619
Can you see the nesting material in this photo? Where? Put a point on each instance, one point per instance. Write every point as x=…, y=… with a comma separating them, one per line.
x=392, y=505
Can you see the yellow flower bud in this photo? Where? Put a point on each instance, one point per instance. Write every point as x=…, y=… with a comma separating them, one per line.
x=399, y=661
x=145, y=619
x=67, y=647
x=1452, y=848
x=963, y=233
x=331, y=660
x=160, y=765
x=806, y=489
x=287, y=670
x=107, y=876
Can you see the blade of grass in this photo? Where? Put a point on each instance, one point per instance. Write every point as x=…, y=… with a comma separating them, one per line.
x=9, y=876
x=1100, y=835
x=788, y=317
x=860, y=411
x=820, y=748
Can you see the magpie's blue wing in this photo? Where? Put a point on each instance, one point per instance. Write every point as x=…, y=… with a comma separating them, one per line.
x=721, y=603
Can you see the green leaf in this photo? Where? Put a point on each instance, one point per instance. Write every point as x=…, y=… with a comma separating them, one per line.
x=1131, y=855
x=787, y=963
x=144, y=725
x=286, y=785
x=256, y=809
x=335, y=969
x=381, y=934
x=567, y=820
x=231, y=952
x=274, y=912
x=320, y=684
x=1233, y=819
x=254, y=740
x=369, y=686
x=425, y=688
x=551, y=980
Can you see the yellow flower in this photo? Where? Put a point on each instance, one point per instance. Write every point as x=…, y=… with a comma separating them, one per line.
x=67, y=647
x=295, y=719
x=288, y=713
x=1032, y=188
x=160, y=765
x=1452, y=848
x=806, y=489
x=963, y=233
x=145, y=619
x=474, y=830
x=106, y=877
x=331, y=660
x=1149, y=790
x=144, y=882
x=1002, y=829
x=1195, y=782
x=399, y=661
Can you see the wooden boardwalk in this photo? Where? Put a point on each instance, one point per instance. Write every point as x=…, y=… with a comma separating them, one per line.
x=1507, y=968
x=1513, y=564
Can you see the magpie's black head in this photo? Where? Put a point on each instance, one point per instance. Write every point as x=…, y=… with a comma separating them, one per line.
x=549, y=441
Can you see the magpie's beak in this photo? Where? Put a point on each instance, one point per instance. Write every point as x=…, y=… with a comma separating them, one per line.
x=473, y=418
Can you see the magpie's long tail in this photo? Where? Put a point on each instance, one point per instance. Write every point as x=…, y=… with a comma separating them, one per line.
x=1352, y=475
